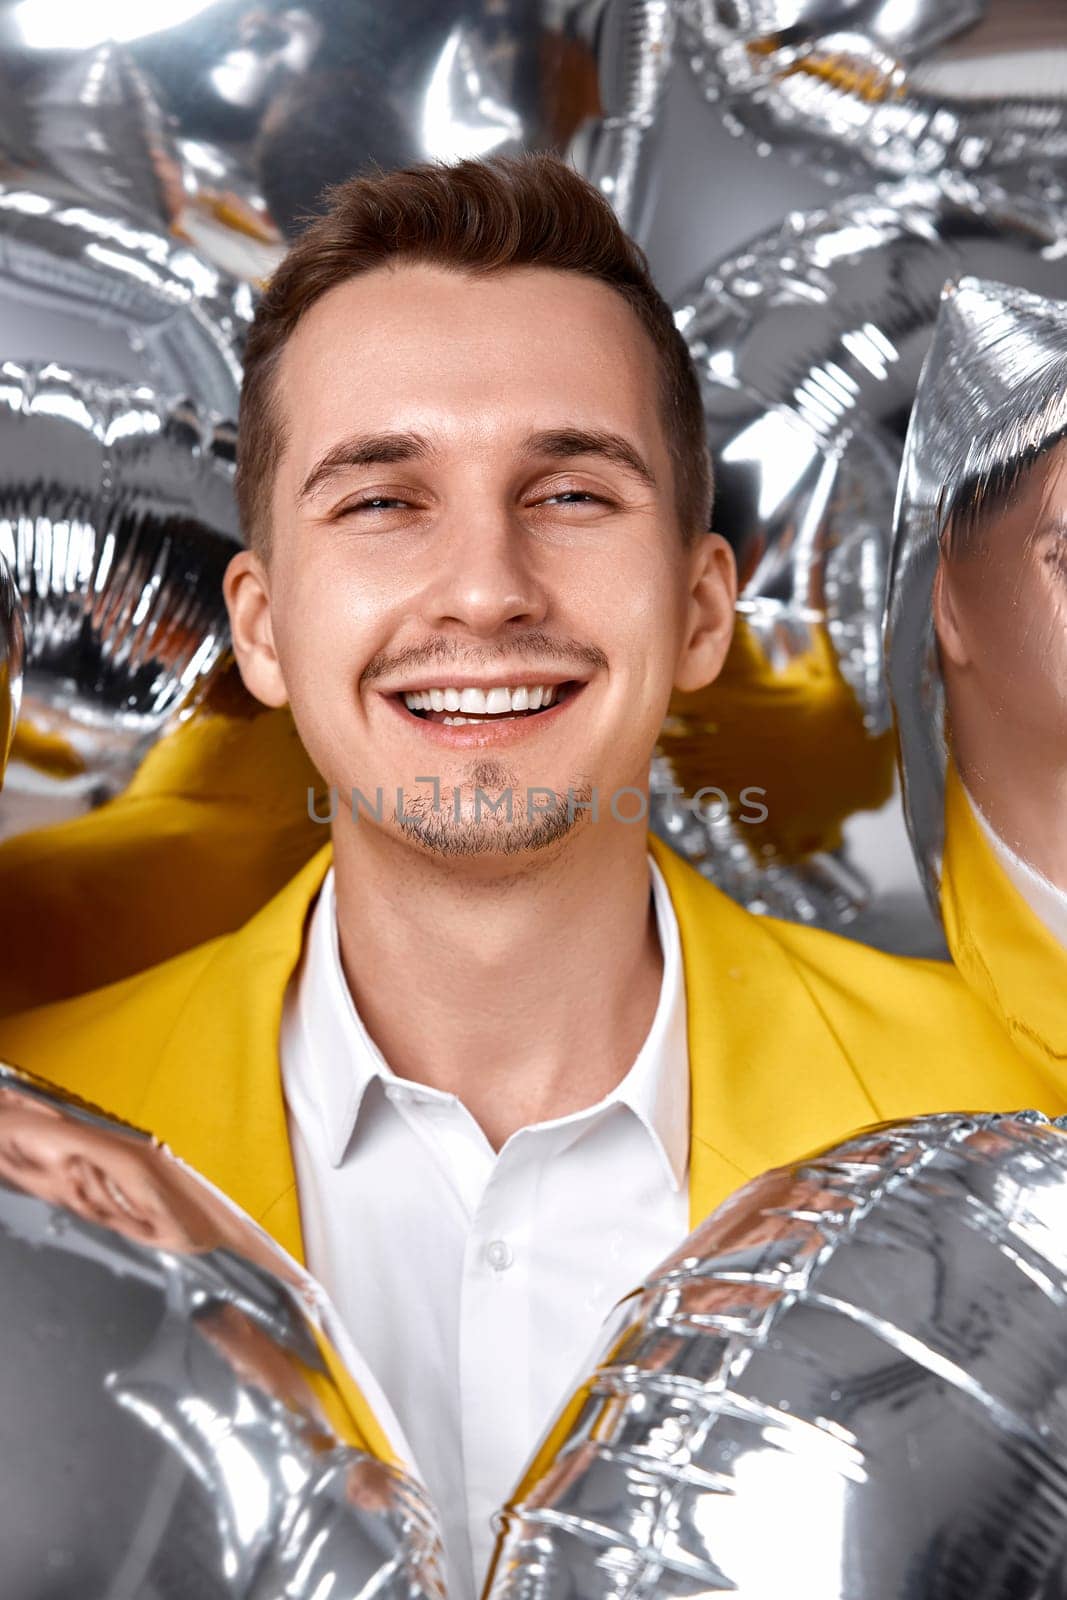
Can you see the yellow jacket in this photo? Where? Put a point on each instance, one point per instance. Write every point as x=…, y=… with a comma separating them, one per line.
x=796, y=1037
x=1004, y=952
x=213, y=824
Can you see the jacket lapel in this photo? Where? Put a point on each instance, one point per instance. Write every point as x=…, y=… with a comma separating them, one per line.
x=768, y=1077
x=215, y=1094
x=1002, y=948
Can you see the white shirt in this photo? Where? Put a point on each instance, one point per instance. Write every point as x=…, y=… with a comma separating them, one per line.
x=475, y=1283
x=1045, y=899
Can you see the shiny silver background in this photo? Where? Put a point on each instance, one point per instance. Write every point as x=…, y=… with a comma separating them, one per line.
x=12, y=652
x=117, y=519
x=849, y=1384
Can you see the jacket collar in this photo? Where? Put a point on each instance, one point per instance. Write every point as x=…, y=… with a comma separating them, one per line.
x=237, y=1135
x=1005, y=953
x=764, y=1063
x=755, y=1035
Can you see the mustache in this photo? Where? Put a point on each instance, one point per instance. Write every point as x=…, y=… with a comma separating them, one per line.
x=539, y=646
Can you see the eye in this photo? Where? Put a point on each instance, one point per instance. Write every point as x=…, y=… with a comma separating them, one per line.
x=1056, y=552
x=376, y=502
x=16, y=1155
x=576, y=497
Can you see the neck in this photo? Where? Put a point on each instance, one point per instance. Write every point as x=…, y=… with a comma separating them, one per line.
x=524, y=985
x=1022, y=795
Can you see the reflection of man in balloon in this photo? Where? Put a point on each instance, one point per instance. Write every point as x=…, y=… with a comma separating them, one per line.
x=179, y=1365
x=118, y=1181
x=494, y=1050
x=1000, y=613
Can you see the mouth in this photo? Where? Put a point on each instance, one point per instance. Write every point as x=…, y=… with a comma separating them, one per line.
x=481, y=716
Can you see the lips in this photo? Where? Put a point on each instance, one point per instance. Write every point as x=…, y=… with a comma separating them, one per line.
x=475, y=730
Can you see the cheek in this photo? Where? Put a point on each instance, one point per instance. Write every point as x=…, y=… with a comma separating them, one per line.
x=323, y=635
x=992, y=601
x=640, y=605
x=1046, y=631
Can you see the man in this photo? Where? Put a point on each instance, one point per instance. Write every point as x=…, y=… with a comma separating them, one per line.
x=1000, y=616
x=484, y=1064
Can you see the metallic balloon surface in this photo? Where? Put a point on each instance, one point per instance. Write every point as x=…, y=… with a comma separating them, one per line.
x=991, y=405
x=122, y=358
x=117, y=519
x=171, y=1424
x=104, y=291
x=229, y=119
x=850, y=1383
x=823, y=889
x=854, y=87
x=12, y=652
x=808, y=346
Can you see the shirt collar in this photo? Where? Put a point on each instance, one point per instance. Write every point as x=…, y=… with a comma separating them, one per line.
x=655, y=1089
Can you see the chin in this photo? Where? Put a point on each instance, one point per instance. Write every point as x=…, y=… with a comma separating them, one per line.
x=486, y=837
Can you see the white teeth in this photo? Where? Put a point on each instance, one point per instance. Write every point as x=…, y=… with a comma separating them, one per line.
x=497, y=701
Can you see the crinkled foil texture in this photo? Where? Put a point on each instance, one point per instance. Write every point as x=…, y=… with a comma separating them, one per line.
x=849, y=1383
x=170, y=1422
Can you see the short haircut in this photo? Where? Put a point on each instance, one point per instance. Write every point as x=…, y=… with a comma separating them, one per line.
x=965, y=509
x=475, y=217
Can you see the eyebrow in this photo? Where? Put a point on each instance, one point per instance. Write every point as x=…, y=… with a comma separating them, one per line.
x=561, y=444
x=365, y=450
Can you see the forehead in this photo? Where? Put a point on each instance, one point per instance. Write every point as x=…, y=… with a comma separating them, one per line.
x=473, y=360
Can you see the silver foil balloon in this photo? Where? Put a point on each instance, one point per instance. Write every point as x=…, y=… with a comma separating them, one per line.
x=850, y=1383
x=854, y=87
x=825, y=890
x=12, y=652
x=172, y=1422
x=808, y=346
x=117, y=519
x=101, y=290
x=992, y=399
x=286, y=99
x=121, y=359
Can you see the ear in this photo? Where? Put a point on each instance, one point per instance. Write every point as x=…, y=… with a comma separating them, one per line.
x=950, y=638
x=246, y=590
x=710, y=613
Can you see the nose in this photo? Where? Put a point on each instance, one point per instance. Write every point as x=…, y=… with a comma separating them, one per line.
x=486, y=576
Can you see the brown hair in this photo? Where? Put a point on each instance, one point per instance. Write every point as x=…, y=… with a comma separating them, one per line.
x=476, y=217
x=964, y=510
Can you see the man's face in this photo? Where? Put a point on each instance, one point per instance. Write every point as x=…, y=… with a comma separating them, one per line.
x=109, y=1177
x=444, y=527
x=1001, y=615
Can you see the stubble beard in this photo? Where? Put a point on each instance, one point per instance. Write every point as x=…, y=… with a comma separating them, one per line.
x=493, y=832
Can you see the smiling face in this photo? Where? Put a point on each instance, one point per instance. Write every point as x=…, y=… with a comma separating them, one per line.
x=477, y=581
x=1001, y=617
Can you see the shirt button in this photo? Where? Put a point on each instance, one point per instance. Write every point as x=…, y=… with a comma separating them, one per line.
x=499, y=1254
